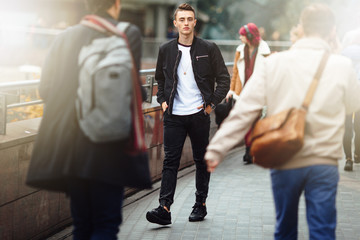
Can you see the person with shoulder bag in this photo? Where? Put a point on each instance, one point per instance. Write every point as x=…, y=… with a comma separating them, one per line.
x=90, y=144
x=282, y=84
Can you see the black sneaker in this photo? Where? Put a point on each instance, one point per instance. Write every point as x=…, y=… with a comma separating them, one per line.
x=247, y=159
x=348, y=165
x=159, y=215
x=198, y=213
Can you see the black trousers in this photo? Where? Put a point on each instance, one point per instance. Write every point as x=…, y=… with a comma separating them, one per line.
x=349, y=128
x=95, y=209
x=176, y=128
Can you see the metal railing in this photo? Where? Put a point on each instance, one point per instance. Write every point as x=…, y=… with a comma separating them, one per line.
x=150, y=82
x=41, y=38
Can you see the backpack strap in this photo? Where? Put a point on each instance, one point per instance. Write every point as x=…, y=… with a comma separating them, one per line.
x=93, y=25
x=123, y=26
x=102, y=25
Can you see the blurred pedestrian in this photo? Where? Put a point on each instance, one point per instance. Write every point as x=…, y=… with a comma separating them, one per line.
x=282, y=84
x=249, y=57
x=262, y=32
x=187, y=70
x=296, y=33
x=351, y=49
x=171, y=33
x=64, y=158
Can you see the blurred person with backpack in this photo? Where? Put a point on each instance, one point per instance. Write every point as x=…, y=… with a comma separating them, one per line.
x=90, y=143
x=282, y=84
x=248, y=59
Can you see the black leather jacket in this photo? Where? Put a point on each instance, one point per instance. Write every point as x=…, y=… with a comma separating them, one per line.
x=208, y=66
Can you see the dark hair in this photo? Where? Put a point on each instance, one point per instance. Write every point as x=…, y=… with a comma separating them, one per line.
x=98, y=6
x=184, y=7
x=317, y=19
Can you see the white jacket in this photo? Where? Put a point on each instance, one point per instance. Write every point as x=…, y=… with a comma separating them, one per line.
x=263, y=50
x=281, y=84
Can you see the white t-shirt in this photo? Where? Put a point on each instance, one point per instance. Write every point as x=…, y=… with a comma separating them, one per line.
x=188, y=96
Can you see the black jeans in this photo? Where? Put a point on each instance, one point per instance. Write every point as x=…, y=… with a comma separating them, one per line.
x=349, y=127
x=176, y=128
x=95, y=209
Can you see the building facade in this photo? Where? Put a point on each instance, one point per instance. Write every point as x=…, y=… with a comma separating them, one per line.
x=154, y=17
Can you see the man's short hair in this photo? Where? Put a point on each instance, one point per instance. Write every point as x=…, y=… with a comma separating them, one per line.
x=317, y=19
x=184, y=7
x=99, y=6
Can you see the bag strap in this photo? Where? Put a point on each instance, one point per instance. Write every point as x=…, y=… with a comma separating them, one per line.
x=313, y=85
x=123, y=26
x=102, y=25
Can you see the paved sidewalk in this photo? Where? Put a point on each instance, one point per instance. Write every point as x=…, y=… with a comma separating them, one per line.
x=240, y=206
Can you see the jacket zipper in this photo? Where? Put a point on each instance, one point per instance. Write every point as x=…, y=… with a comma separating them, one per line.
x=174, y=77
x=203, y=56
x=202, y=96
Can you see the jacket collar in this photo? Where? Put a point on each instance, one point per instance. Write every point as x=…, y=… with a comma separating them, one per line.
x=311, y=43
x=263, y=49
x=193, y=43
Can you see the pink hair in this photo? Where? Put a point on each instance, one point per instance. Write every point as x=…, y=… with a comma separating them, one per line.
x=254, y=31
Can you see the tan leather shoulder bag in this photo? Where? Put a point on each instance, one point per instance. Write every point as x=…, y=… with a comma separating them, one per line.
x=277, y=138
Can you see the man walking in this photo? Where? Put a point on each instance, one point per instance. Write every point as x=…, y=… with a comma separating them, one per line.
x=93, y=174
x=281, y=84
x=187, y=70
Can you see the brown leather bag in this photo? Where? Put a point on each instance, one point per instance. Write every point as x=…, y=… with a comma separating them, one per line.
x=276, y=139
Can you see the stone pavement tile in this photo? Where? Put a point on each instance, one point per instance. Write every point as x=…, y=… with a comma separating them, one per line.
x=339, y=234
x=188, y=237
x=178, y=228
x=228, y=236
x=163, y=236
x=203, y=235
x=242, y=234
x=268, y=220
x=215, y=237
x=268, y=234
x=203, y=232
x=175, y=236
x=204, y=229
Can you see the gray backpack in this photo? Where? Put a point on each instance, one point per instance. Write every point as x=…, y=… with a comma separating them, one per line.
x=104, y=94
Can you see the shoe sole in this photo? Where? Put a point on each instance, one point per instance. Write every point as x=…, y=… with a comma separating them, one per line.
x=196, y=219
x=348, y=169
x=154, y=219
